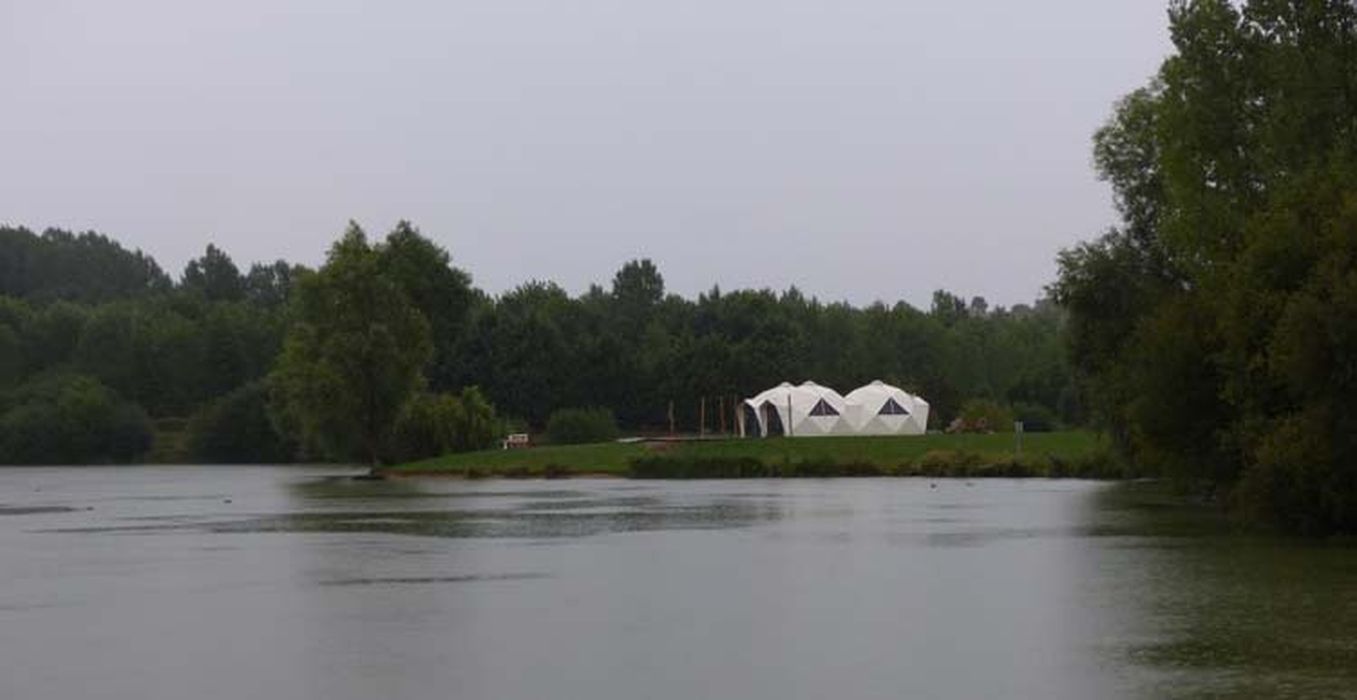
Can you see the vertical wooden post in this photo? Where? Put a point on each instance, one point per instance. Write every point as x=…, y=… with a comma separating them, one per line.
x=723, y=415
x=702, y=418
x=671, y=418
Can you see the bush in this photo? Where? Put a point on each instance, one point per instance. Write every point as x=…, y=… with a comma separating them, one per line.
x=235, y=429
x=577, y=426
x=1035, y=417
x=435, y=424
x=983, y=416
x=70, y=419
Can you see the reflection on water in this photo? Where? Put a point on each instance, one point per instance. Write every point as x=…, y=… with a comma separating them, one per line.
x=1233, y=615
x=167, y=582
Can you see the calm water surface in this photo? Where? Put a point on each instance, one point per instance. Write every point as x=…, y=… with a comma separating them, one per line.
x=301, y=583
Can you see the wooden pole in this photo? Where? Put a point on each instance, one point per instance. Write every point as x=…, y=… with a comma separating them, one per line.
x=723, y=414
x=671, y=418
x=702, y=418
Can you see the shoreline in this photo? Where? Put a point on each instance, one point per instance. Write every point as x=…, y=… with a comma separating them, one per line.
x=1075, y=454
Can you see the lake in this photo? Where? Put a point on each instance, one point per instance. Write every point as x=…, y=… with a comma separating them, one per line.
x=240, y=582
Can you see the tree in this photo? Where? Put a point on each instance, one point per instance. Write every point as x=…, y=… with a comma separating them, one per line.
x=52, y=336
x=88, y=267
x=235, y=429
x=532, y=351
x=271, y=285
x=214, y=277
x=1212, y=330
x=354, y=355
x=70, y=419
x=948, y=308
x=434, y=424
x=11, y=358
x=441, y=292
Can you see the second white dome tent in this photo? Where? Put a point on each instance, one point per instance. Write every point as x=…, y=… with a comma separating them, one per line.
x=809, y=410
x=883, y=409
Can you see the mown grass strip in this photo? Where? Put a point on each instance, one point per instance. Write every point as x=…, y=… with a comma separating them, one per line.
x=1063, y=454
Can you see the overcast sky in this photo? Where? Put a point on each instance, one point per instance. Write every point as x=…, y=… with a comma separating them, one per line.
x=858, y=149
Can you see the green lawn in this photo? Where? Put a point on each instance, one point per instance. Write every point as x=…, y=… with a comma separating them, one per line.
x=888, y=453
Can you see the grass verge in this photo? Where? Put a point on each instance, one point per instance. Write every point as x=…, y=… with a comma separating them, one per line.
x=1078, y=454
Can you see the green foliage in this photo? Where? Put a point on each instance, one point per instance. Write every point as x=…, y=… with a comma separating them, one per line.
x=70, y=419
x=438, y=424
x=176, y=350
x=213, y=277
x=15, y=316
x=270, y=286
x=236, y=429
x=50, y=338
x=61, y=265
x=1035, y=418
x=578, y=426
x=1213, y=332
x=985, y=415
x=354, y=355
x=442, y=294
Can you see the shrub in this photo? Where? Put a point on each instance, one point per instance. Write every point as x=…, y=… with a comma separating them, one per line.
x=983, y=416
x=235, y=429
x=70, y=419
x=1035, y=417
x=434, y=424
x=576, y=426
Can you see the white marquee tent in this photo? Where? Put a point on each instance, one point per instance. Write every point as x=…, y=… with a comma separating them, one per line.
x=807, y=409
x=810, y=409
x=882, y=409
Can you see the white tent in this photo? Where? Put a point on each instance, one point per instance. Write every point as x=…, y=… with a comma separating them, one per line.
x=810, y=409
x=881, y=409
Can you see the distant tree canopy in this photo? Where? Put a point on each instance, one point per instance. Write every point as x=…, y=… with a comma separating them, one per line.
x=70, y=419
x=1213, y=332
x=389, y=337
x=86, y=267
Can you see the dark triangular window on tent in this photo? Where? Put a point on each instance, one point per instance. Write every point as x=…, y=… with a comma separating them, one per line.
x=822, y=408
x=891, y=408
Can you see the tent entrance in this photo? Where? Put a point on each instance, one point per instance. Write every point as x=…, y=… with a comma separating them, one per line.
x=748, y=417
x=772, y=421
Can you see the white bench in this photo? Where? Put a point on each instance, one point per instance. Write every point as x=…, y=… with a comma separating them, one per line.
x=516, y=440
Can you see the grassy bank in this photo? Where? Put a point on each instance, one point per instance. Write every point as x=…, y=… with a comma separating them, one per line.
x=1062, y=454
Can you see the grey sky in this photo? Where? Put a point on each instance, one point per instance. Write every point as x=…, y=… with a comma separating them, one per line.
x=859, y=149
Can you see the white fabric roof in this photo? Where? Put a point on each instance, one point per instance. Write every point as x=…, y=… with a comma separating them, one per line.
x=811, y=409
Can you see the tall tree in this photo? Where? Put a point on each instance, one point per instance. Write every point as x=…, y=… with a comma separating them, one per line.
x=1213, y=327
x=214, y=277
x=354, y=355
x=442, y=293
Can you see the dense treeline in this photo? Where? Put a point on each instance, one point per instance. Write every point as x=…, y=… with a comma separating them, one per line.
x=372, y=356
x=1215, y=329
